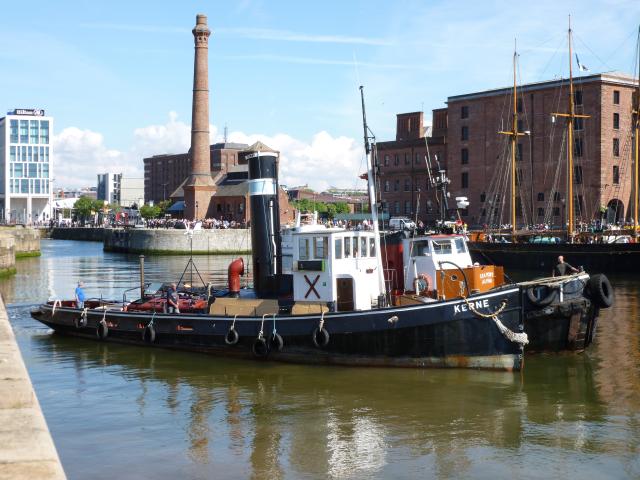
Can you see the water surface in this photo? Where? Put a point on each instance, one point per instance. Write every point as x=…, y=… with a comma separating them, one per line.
x=132, y=412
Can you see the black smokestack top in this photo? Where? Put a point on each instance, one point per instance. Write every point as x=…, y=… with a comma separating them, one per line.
x=265, y=221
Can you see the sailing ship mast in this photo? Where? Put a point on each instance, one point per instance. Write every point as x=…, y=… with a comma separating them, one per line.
x=636, y=132
x=571, y=116
x=514, y=134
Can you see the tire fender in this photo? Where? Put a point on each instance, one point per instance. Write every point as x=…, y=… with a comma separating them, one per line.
x=600, y=290
x=232, y=337
x=320, y=337
x=543, y=301
x=102, y=331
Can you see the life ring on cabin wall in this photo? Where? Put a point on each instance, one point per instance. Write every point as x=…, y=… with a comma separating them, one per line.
x=424, y=284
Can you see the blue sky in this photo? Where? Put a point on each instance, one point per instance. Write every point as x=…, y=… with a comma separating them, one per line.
x=117, y=76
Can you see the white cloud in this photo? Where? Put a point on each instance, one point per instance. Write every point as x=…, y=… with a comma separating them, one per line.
x=322, y=162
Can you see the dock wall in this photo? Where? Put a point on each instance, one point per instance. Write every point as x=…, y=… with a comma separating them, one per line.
x=177, y=242
x=26, y=447
x=7, y=254
x=78, y=233
x=26, y=240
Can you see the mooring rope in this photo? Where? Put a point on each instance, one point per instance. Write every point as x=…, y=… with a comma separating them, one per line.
x=55, y=304
x=516, y=337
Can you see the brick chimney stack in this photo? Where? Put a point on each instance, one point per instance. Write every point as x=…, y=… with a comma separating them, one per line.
x=199, y=186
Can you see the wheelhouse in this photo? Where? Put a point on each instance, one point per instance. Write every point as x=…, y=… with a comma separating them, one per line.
x=329, y=263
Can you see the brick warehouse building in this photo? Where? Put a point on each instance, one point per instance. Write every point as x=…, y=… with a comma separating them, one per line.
x=403, y=171
x=163, y=174
x=465, y=133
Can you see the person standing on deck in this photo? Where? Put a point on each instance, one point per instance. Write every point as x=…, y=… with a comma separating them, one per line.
x=80, y=295
x=563, y=268
x=172, y=300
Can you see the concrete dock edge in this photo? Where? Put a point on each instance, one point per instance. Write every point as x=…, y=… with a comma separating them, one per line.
x=27, y=450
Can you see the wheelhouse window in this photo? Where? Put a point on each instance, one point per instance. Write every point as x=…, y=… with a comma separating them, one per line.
x=372, y=247
x=303, y=248
x=442, y=247
x=363, y=246
x=338, y=248
x=347, y=247
x=355, y=247
x=320, y=247
x=420, y=248
x=460, y=246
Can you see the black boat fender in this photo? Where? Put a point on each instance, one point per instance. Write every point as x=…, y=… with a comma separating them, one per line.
x=320, y=336
x=543, y=301
x=149, y=333
x=232, y=337
x=600, y=290
x=275, y=340
x=102, y=330
x=81, y=321
x=260, y=347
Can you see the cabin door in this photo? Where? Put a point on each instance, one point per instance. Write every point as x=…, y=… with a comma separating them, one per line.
x=345, y=294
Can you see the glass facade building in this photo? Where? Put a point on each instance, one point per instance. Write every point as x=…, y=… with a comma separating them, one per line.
x=25, y=166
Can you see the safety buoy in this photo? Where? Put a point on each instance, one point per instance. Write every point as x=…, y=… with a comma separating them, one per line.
x=149, y=334
x=425, y=279
x=276, y=342
x=232, y=337
x=102, y=330
x=600, y=290
x=542, y=301
x=259, y=347
x=320, y=337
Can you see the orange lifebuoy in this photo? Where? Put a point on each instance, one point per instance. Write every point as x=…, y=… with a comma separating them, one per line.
x=428, y=283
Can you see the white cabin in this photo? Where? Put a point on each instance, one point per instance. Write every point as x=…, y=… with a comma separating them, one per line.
x=424, y=256
x=336, y=266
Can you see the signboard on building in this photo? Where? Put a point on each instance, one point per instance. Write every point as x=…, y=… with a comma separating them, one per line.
x=38, y=112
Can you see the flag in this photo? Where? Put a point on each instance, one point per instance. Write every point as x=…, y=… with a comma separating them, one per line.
x=582, y=68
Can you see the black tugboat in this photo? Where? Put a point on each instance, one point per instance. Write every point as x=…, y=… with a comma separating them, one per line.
x=338, y=307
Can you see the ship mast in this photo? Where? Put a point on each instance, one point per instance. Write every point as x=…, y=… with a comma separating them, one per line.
x=571, y=116
x=514, y=134
x=636, y=131
x=373, y=201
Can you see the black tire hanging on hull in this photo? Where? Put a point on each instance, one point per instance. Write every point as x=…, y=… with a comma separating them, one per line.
x=600, y=290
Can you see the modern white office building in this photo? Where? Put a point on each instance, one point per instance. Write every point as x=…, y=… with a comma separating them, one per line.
x=109, y=187
x=26, y=167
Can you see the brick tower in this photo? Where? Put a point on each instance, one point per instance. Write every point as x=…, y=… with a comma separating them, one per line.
x=199, y=186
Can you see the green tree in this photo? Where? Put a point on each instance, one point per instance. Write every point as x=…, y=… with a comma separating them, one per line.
x=342, y=207
x=164, y=206
x=83, y=207
x=150, y=211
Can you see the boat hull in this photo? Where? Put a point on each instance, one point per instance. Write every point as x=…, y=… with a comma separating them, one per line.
x=440, y=334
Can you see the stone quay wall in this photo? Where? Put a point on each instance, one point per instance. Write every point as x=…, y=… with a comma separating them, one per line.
x=27, y=240
x=27, y=450
x=7, y=254
x=176, y=242
x=78, y=233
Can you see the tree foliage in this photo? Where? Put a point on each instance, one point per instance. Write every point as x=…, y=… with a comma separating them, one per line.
x=150, y=211
x=330, y=209
x=84, y=206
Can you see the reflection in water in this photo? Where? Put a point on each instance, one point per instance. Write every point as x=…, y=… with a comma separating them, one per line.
x=165, y=414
